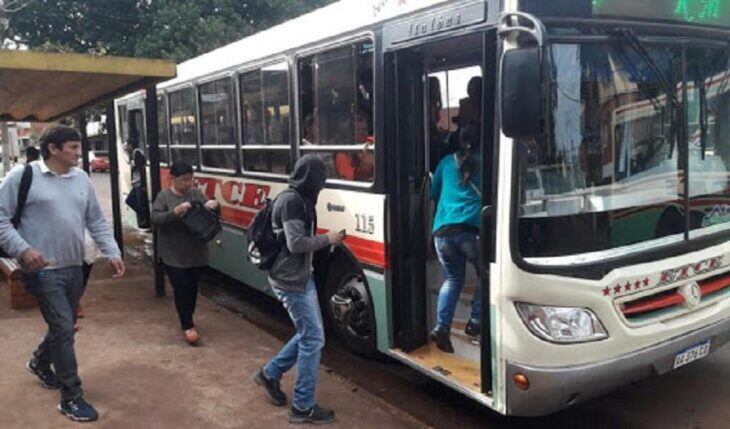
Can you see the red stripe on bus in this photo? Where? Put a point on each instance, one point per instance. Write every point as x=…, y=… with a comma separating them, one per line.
x=644, y=306
x=366, y=251
x=237, y=217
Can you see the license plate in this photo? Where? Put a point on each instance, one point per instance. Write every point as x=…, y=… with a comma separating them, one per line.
x=692, y=354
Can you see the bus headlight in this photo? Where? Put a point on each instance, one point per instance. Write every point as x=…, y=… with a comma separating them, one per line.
x=561, y=324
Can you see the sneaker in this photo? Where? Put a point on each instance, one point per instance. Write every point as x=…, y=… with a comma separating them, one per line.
x=78, y=410
x=45, y=375
x=271, y=387
x=442, y=338
x=473, y=329
x=316, y=415
x=191, y=336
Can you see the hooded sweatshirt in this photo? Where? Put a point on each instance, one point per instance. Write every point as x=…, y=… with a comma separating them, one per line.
x=295, y=215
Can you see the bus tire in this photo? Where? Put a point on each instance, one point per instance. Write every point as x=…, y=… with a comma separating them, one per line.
x=348, y=310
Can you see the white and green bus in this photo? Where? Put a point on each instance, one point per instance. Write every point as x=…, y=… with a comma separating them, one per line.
x=605, y=125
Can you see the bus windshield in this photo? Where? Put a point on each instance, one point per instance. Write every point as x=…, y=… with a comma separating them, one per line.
x=608, y=173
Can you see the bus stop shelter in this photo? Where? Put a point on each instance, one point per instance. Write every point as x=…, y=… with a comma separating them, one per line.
x=44, y=87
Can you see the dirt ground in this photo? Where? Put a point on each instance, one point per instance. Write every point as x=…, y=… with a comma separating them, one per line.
x=139, y=373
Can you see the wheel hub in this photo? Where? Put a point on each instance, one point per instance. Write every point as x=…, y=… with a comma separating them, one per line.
x=350, y=308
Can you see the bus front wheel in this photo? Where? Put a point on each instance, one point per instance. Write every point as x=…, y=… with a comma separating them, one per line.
x=349, y=311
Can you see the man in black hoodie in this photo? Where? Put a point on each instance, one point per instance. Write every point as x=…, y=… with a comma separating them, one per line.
x=295, y=215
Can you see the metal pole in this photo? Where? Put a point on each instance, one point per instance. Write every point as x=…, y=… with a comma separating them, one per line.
x=5, y=135
x=81, y=118
x=153, y=154
x=111, y=136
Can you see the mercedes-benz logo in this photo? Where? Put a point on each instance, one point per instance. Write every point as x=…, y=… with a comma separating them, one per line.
x=692, y=295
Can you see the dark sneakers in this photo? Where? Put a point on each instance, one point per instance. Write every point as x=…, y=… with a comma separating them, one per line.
x=315, y=415
x=442, y=338
x=271, y=387
x=473, y=329
x=78, y=410
x=45, y=375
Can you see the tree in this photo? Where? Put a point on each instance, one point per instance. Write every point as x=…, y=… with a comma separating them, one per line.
x=173, y=29
x=7, y=7
x=98, y=26
x=182, y=29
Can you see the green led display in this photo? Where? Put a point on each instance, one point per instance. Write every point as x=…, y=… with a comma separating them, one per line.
x=712, y=12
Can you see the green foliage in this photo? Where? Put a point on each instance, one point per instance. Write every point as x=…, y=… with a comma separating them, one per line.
x=173, y=29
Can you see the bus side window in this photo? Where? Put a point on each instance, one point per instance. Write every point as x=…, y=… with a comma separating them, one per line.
x=217, y=112
x=265, y=116
x=183, y=134
x=336, y=105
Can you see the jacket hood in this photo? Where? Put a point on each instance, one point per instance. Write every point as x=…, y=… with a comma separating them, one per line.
x=308, y=177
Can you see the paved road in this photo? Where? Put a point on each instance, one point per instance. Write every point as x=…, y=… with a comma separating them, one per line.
x=696, y=396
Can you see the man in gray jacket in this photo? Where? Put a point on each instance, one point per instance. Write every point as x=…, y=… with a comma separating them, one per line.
x=49, y=244
x=294, y=215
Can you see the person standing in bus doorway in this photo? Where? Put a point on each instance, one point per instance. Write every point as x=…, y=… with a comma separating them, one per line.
x=32, y=154
x=49, y=243
x=457, y=192
x=291, y=279
x=182, y=254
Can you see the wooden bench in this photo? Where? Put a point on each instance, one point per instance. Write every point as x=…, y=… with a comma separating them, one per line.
x=19, y=298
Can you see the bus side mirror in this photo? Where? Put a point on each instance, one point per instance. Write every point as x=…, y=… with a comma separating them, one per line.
x=522, y=96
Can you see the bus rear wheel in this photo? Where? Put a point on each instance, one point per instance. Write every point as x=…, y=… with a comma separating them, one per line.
x=349, y=312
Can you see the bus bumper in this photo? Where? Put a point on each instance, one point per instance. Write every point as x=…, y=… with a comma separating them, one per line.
x=552, y=389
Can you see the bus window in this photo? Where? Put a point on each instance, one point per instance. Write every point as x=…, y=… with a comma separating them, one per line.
x=217, y=113
x=337, y=110
x=123, y=123
x=183, y=136
x=265, y=114
x=163, y=129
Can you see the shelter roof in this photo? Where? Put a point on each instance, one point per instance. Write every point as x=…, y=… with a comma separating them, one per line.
x=45, y=86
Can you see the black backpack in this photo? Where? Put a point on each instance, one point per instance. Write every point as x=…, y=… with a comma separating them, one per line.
x=201, y=222
x=264, y=244
x=23, y=190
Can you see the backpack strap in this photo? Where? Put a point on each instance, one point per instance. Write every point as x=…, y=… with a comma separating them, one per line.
x=303, y=201
x=23, y=191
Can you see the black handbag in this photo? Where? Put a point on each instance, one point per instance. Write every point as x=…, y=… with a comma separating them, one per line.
x=202, y=223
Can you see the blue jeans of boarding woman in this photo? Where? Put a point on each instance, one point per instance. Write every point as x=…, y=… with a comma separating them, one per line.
x=305, y=347
x=454, y=251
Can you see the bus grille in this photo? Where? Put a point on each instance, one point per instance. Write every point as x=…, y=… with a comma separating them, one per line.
x=671, y=301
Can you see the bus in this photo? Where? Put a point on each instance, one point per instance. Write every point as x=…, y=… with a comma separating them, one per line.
x=590, y=112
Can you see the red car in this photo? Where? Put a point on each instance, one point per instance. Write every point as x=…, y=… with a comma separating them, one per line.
x=98, y=162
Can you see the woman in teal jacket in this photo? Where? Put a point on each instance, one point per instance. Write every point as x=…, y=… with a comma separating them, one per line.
x=456, y=189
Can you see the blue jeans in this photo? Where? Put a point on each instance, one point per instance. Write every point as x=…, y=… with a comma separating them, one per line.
x=454, y=250
x=58, y=292
x=305, y=347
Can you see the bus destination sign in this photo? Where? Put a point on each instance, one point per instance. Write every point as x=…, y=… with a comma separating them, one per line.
x=703, y=12
x=711, y=12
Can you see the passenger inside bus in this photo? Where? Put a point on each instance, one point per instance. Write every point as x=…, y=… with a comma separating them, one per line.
x=309, y=131
x=358, y=165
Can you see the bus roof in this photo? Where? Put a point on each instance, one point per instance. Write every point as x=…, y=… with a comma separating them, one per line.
x=45, y=86
x=342, y=17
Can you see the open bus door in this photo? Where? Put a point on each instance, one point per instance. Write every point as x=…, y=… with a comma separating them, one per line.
x=433, y=86
x=408, y=211
x=137, y=159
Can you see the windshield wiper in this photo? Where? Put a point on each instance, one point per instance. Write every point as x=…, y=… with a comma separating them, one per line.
x=638, y=47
